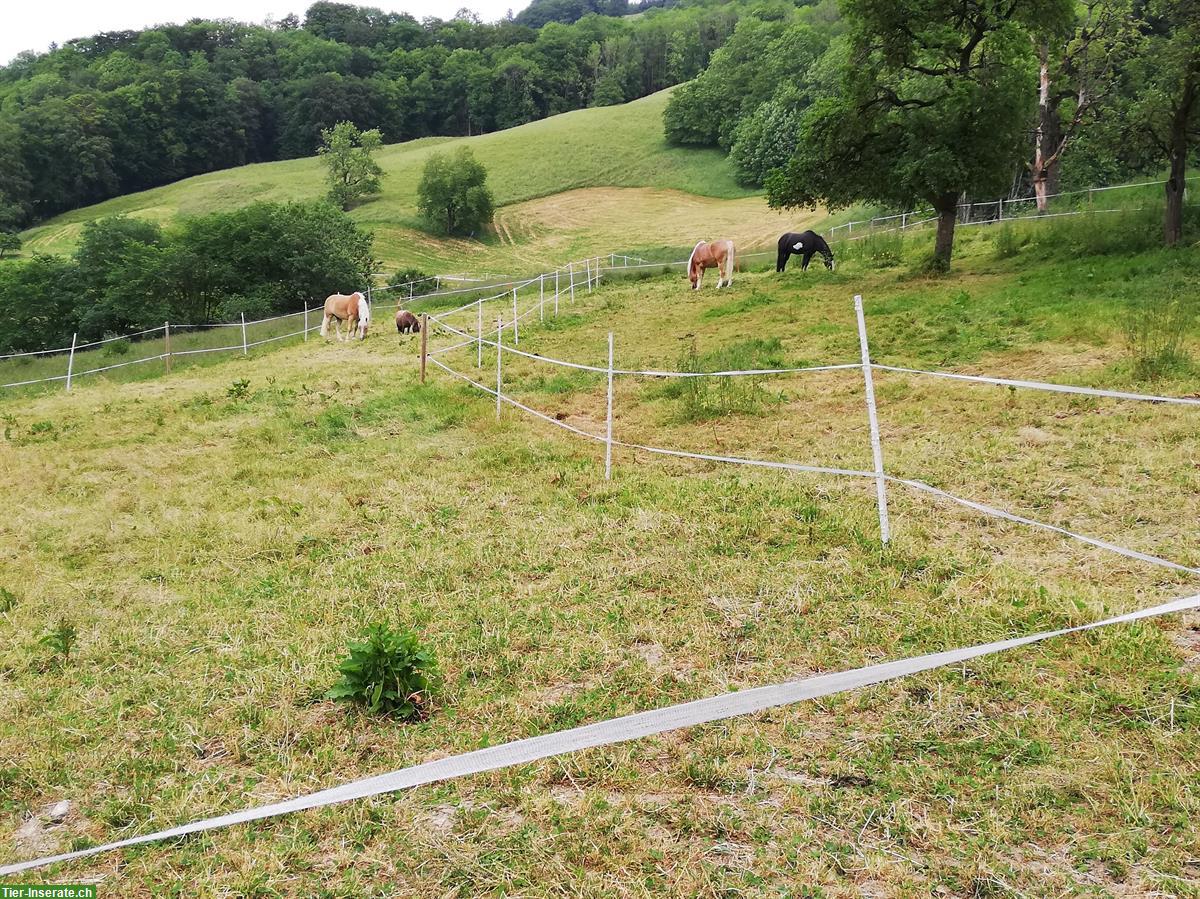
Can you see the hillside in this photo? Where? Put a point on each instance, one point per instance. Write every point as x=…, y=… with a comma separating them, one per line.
x=217, y=545
x=616, y=146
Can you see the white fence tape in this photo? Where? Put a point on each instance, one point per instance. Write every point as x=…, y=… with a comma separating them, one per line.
x=615, y=730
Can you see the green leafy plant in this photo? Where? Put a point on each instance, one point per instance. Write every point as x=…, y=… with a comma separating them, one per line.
x=8, y=600
x=389, y=672
x=1007, y=242
x=238, y=390
x=703, y=399
x=1156, y=330
x=60, y=640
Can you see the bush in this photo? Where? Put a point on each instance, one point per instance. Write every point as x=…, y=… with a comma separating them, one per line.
x=59, y=640
x=389, y=672
x=1007, y=242
x=703, y=399
x=881, y=250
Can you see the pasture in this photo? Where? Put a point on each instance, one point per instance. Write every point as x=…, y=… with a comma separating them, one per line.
x=217, y=547
x=609, y=147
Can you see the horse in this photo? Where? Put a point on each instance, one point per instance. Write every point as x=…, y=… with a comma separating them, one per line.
x=805, y=244
x=718, y=254
x=352, y=309
x=407, y=323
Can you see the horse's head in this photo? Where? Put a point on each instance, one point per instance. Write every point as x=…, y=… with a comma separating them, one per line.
x=695, y=266
x=829, y=263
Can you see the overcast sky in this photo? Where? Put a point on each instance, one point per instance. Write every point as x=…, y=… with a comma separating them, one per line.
x=35, y=24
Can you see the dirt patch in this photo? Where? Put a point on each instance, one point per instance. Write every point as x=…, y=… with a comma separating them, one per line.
x=1187, y=639
x=48, y=830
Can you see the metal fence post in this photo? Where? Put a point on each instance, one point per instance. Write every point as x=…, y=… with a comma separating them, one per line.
x=71, y=360
x=608, y=443
x=499, y=381
x=245, y=346
x=876, y=448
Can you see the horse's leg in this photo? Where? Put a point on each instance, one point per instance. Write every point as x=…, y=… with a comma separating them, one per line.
x=781, y=261
x=807, y=259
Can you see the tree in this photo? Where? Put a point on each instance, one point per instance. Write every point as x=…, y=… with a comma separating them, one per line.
x=1077, y=71
x=353, y=174
x=1164, y=118
x=9, y=241
x=935, y=103
x=453, y=195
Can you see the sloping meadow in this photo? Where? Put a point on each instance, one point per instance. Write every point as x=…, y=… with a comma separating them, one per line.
x=216, y=546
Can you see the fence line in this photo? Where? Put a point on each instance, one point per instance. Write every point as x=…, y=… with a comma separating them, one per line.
x=878, y=475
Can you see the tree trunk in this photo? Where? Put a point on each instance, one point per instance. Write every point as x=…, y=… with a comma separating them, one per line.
x=947, y=212
x=1047, y=160
x=1177, y=180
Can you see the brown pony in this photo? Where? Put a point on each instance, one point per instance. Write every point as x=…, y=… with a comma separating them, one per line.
x=716, y=254
x=352, y=309
x=407, y=323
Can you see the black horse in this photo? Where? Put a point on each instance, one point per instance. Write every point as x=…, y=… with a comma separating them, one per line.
x=805, y=245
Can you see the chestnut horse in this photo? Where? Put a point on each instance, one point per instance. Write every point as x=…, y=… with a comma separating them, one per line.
x=352, y=309
x=716, y=254
x=407, y=323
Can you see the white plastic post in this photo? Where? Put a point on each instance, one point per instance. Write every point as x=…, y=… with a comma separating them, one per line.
x=516, y=330
x=556, y=293
x=608, y=431
x=499, y=382
x=587, y=263
x=542, y=297
x=885, y=531
x=71, y=360
x=167, y=345
x=571, y=275
x=1000, y=207
x=245, y=347
x=306, y=321
x=479, y=333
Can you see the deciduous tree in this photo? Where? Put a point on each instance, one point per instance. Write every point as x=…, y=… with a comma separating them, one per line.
x=453, y=195
x=352, y=174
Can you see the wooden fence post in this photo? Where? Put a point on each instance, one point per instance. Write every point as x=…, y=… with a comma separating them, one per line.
x=424, y=342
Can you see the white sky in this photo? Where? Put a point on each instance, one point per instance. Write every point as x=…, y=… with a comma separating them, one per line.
x=34, y=24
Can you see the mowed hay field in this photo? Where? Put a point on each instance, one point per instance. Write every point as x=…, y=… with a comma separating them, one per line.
x=217, y=551
x=616, y=146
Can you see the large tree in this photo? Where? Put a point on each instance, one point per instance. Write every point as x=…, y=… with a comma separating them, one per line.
x=1164, y=117
x=936, y=100
x=352, y=173
x=453, y=195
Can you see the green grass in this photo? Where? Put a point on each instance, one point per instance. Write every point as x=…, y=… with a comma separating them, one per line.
x=216, y=553
x=617, y=146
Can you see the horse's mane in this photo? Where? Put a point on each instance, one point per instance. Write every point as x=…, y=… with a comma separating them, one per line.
x=691, y=258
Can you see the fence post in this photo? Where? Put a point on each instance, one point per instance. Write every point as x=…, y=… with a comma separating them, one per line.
x=424, y=342
x=245, y=346
x=71, y=360
x=499, y=344
x=479, y=333
x=571, y=274
x=306, y=321
x=876, y=448
x=516, y=330
x=608, y=431
x=542, y=297
x=167, y=341
x=556, y=293
x=587, y=263
x=1000, y=205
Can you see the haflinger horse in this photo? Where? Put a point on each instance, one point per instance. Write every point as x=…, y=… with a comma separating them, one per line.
x=805, y=244
x=716, y=254
x=352, y=309
x=407, y=323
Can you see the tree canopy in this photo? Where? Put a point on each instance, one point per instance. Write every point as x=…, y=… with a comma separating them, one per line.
x=352, y=173
x=453, y=196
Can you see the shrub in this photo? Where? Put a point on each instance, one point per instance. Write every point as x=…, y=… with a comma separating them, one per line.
x=1007, y=242
x=59, y=640
x=238, y=390
x=389, y=672
x=8, y=600
x=707, y=398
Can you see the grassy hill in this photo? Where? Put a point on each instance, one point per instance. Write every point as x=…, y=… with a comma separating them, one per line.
x=217, y=547
x=618, y=146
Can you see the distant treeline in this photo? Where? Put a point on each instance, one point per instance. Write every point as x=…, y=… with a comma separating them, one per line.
x=124, y=111
x=129, y=274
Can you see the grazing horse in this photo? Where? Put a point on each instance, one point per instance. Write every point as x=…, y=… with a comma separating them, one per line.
x=716, y=254
x=406, y=322
x=352, y=309
x=803, y=244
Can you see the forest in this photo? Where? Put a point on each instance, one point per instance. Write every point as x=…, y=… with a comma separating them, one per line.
x=124, y=111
